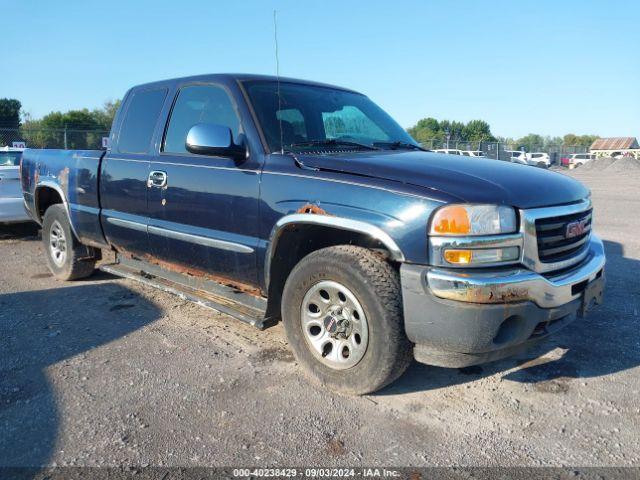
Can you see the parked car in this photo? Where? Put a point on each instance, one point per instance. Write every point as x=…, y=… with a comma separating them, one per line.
x=226, y=190
x=539, y=159
x=474, y=153
x=11, y=201
x=449, y=151
x=580, y=158
x=516, y=156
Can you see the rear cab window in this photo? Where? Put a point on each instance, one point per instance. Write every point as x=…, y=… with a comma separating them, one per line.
x=140, y=120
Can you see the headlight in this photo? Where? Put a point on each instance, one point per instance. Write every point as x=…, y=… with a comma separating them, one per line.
x=474, y=236
x=473, y=220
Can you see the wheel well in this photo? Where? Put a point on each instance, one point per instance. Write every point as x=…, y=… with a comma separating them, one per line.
x=298, y=241
x=45, y=197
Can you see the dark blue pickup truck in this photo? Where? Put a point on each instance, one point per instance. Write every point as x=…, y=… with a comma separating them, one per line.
x=272, y=199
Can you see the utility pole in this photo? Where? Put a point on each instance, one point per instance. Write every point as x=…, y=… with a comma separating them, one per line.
x=65, y=137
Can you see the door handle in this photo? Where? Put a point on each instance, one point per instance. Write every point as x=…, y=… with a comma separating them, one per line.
x=158, y=179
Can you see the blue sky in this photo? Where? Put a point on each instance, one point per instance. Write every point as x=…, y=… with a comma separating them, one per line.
x=549, y=67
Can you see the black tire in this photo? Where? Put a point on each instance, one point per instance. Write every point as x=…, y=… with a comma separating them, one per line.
x=542, y=165
x=79, y=260
x=376, y=285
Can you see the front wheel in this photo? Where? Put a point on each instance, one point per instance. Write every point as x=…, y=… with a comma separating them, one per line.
x=342, y=311
x=66, y=257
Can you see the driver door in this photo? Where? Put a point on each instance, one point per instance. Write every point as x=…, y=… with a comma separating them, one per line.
x=203, y=210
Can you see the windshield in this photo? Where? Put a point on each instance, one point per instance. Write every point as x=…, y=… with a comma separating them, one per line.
x=10, y=159
x=312, y=115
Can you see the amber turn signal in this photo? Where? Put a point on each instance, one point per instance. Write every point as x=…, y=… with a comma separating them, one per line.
x=458, y=257
x=451, y=220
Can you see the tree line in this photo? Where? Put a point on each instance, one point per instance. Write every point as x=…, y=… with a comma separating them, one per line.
x=429, y=130
x=79, y=123
x=77, y=129
x=533, y=141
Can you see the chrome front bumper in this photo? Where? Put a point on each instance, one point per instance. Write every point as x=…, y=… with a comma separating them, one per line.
x=519, y=284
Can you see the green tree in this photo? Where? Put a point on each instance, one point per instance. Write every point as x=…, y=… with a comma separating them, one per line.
x=454, y=129
x=552, y=141
x=434, y=133
x=506, y=140
x=570, y=139
x=104, y=116
x=10, y=113
x=585, y=141
x=478, y=131
x=531, y=142
x=426, y=130
x=82, y=128
x=76, y=123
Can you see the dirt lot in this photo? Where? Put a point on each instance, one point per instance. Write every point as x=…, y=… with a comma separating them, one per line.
x=108, y=372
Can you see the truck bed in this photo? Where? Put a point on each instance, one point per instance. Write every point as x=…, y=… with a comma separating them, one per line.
x=71, y=174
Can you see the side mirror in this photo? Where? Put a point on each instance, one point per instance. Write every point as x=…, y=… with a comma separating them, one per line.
x=217, y=140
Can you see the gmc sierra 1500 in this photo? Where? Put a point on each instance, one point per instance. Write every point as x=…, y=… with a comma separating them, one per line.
x=270, y=198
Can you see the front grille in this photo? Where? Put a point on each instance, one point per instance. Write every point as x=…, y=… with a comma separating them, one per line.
x=553, y=246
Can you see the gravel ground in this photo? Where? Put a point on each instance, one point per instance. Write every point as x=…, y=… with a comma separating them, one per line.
x=109, y=372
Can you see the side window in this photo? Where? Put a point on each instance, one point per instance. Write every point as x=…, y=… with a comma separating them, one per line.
x=140, y=121
x=199, y=104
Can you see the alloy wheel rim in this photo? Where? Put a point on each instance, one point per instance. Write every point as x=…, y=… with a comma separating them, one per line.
x=57, y=244
x=334, y=325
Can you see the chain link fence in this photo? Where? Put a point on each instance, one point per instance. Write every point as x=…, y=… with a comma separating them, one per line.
x=501, y=150
x=53, y=138
x=92, y=140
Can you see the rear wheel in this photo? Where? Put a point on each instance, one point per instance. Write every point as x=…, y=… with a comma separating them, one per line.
x=66, y=257
x=342, y=311
x=542, y=165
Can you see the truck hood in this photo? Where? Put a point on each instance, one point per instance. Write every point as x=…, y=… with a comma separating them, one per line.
x=471, y=180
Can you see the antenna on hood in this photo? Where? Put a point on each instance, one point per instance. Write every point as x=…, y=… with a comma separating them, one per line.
x=275, y=42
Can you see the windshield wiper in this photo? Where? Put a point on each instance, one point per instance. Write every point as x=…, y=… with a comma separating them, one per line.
x=397, y=145
x=332, y=143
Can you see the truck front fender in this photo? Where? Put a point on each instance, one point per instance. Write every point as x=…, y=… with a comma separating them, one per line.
x=340, y=223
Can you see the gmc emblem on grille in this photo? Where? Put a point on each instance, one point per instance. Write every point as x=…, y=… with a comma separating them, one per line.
x=575, y=229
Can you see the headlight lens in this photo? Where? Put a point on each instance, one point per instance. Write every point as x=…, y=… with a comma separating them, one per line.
x=474, y=220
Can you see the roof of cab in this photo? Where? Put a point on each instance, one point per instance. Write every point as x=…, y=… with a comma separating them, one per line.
x=239, y=77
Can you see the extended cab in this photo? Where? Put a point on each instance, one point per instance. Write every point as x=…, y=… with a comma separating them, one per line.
x=275, y=199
